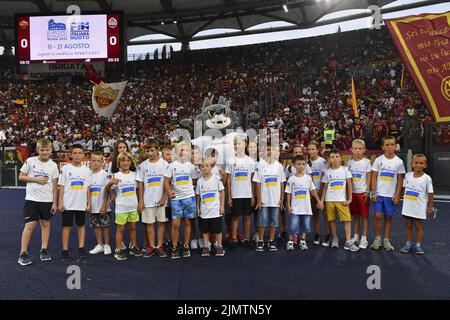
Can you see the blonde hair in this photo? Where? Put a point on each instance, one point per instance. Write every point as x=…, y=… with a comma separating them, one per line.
x=360, y=142
x=44, y=142
x=210, y=161
x=181, y=145
x=420, y=155
x=122, y=156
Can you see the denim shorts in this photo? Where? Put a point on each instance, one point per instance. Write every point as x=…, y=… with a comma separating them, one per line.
x=299, y=223
x=268, y=216
x=184, y=208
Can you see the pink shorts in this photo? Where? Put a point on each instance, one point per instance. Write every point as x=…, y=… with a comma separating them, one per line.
x=358, y=206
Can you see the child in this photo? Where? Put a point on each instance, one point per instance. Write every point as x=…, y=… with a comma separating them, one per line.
x=167, y=155
x=318, y=167
x=152, y=197
x=299, y=204
x=41, y=176
x=337, y=193
x=360, y=168
x=211, y=207
x=196, y=160
x=387, y=180
x=240, y=193
x=74, y=200
x=269, y=177
x=100, y=220
x=125, y=185
x=417, y=202
x=179, y=176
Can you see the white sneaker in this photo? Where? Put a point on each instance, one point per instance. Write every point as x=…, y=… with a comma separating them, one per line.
x=363, y=244
x=303, y=245
x=201, y=244
x=98, y=248
x=194, y=244
x=335, y=242
x=387, y=245
x=107, y=249
x=290, y=245
x=123, y=247
x=256, y=237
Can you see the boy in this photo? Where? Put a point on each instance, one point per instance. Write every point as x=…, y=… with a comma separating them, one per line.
x=211, y=207
x=360, y=168
x=298, y=190
x=387, y=180
x=240, y=191
x=269, y=177
x=179, y=176
x=167, y=155
x=74, y=200
x=152, y=197
x=100, y=220
x=337, y=194
x=41, y=176
x=417, y=202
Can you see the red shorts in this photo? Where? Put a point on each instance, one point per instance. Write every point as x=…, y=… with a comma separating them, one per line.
x=358, y=206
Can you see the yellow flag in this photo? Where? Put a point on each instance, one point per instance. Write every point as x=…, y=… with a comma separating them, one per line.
x=354, y=105
x=163, y=105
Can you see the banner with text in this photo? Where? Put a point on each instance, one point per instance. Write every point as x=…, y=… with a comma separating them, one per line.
x=44, y=71
x=424, y=44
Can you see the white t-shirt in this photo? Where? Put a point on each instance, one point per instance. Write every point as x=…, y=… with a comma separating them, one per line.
x=34, y=167
x=270, y=176
x=337, y=183
x=359, y=170
x=152, y=174
x=181, y=175
x=241, y=174
x=387, y=169
x=318, y=167
x=126, y=200
x=209, y=196
x=299, y=188
x=415, y=200
x=291, y=171
x=76, y=181
x=99, y=181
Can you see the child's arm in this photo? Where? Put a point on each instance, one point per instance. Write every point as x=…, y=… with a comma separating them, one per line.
x=55, y=196
x=258, y=195
x=27, y=179
x=369, y=182
x=88, y=193
x=163, y=200
x=253, y=193
x=228, y=184
x=282, y=196
x=373, y=181
x=198, y=205
x=430, y=204
x=398, y=189
x=167, y=187
x=323, y=191
x=349, y=191
x=222, y=202
x=140, y=197
x=316, y=197
x=106, y=196
x=288, y=200
x=61, y=199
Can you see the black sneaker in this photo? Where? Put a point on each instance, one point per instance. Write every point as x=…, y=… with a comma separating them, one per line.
x=246, y=243
x=66, y=257
x=260, y=246
x=135, y=251
x=120, y=255
x=24, y=259
x=175, y=253
x=82, y=253
x=186, y=252
x=327, y=241
x=44, y=255
x=272, y=246
x=234, y=243
x=316, y=239
x=282, y=236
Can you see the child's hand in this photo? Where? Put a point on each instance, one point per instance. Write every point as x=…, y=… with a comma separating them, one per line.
x=320, y=205
x=222, y=210
x=395, y=199
x=103, y=209
x=374, y=198
x=289, y=210
x=230, y=203
x=61, y=208
x=171, y=195
x=253, y=202
x=41, y=180
x=429, y=211
x=346, y=203
x=54, y=208
x=282, y=205
x=140, y=207
x=162, y=202
x=115, y=180
x=88, y=208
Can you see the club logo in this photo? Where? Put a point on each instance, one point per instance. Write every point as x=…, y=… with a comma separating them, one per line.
x=105, y=96
x=112, y=23
x=445, y=88
x=23, y=24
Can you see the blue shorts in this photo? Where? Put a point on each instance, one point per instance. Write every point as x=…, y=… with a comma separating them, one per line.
x=268, y=216
x=299, y=223
x=385, y=205
x=184, y=208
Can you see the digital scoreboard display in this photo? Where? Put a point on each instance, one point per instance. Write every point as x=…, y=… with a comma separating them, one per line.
x=69, y=38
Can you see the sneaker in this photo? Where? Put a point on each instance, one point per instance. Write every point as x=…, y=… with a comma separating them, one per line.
x=144, y=250
x=376, y=244
x=295, y=239
x=194, y=244
x=387, y=245
x=407, y=248
x=120, y=255
x=107, y=249
x=186, y=252
x=327, y=241
x=246, y=243
x=272, y=246
x=175, y=253
x=66, y=257
x=82, y=254
x=282, y=236
x=419, y=250
x=150, y=252
x=302, y=245
x=363, y=244
x=44, y=255
x=350, y=245
x=97, y=249
x=234, y=243
x=200, y=243
x=135, y=251
x=290, y=245
x=335, y=242
x=256, y=238
x=206, y=252
x=24, y=259
x=260, y=246
x=123, y=247
x=220, y=252
x=316, y=239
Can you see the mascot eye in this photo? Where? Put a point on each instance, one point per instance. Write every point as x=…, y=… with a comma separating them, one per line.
x=225, y=112
x=211, y=113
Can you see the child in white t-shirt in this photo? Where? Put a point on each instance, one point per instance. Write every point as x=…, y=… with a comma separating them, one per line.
x=298, y=190
x=210, y=207
x=41, y=176
x=74, y=200
x=417, y=202
x=337, y=194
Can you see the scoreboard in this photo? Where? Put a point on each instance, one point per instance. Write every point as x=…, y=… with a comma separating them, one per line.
x=69, y=38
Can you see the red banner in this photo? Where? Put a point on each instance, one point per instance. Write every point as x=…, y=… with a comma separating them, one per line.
x=424, y=44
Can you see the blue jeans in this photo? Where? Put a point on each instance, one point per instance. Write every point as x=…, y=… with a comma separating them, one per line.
x=268, y=216
x=299, y=224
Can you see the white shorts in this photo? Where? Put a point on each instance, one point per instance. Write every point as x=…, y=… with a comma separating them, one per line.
x=151, y=215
